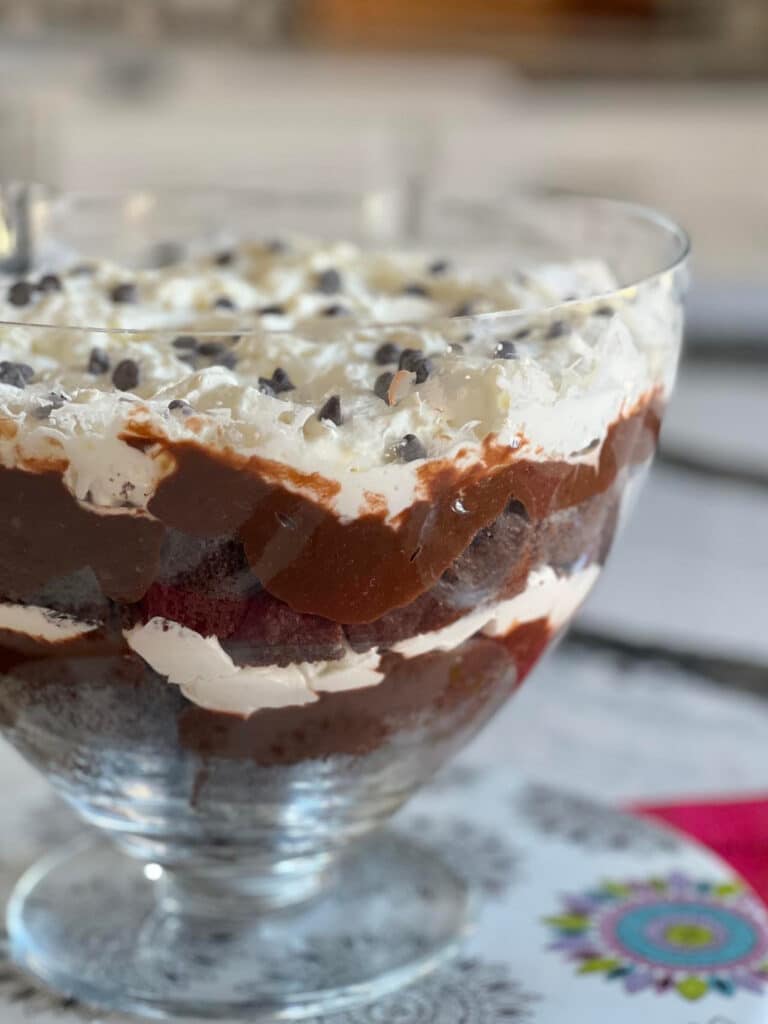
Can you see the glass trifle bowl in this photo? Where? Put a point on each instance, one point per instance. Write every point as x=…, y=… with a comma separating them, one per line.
x=295, y=491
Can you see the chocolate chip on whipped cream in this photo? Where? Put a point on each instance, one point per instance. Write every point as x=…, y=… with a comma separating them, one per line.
x=98, y=361
x=278, y=383
x=178, y=405
x=185, y=342
x=124, y=292
x=329, y=281
x=386, y=354
x=410, y=359
x=505, y=350
x=126, y=375
x=414, y=361
x=49, y=283
x=331, y=410
x=382, y=384
x=20, y=293
x=211, y=348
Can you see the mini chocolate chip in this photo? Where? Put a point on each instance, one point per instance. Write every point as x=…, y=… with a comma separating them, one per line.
x=49, y=283
x=386, y=354
x=126, y=375
x=455, y=348
x=275, y=245
x=210, y=348
x=281, y=381
x=329, y=281
x=186, y=342
x=277, y=383
x=410, y=359
x=410, y=448
x=331, y=410
x=335, y=310
x=20, y=293
x=464, y=309
x=81, y=269
x=423, y=369
x=180, y=406
x=524, y=332
x=468, y=337
x=438, y=266
x=53, y=400
x=505, y=350
x=224, y=258
x=556, y=330
x=381, y=387
x=416, y=289
x=224, y=302
x=604, y=311
x=125, y=292
x=414, y=361
x=190, y=358
x=98, y=361
x=18, y=375
x=275, y=309
x=228, y=360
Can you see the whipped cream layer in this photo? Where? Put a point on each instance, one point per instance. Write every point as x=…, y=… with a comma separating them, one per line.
x=208, y=677
x=42, y=625
x=241, y=351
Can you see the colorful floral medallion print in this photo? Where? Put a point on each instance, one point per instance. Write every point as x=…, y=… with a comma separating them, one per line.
x=670, y=934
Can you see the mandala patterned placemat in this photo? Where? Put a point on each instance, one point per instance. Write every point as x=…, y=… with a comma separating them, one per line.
x=585, y=914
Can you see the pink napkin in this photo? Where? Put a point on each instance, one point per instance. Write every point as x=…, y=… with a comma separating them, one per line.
x=737, y=830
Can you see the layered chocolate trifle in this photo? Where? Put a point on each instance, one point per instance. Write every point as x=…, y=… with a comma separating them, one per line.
x=287, y=500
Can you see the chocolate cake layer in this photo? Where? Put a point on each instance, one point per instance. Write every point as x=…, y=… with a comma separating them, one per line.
x=118, y=703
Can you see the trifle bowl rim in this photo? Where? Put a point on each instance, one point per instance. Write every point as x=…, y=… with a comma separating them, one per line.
x=148, y=196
